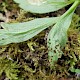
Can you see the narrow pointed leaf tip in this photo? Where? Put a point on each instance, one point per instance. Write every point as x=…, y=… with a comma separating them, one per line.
x=19, y=32
x=42, y=6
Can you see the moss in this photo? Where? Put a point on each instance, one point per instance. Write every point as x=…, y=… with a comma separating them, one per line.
x=29, y=60
x=9, y=67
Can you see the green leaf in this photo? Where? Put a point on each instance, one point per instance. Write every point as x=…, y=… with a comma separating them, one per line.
x=57, y=37
x=42, y=6
x=19, y=32
x=26, y=26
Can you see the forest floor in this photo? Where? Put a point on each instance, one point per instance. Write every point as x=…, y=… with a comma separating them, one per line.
x=29, y=60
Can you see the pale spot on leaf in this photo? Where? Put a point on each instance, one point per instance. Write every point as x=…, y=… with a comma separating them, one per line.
x=36, y=2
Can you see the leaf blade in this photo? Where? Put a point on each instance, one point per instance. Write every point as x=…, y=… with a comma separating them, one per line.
x=11, y=34
x=42, y=6
x=57, y=38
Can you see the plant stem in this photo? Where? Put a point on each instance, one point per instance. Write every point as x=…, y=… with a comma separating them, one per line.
x=72, y=8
